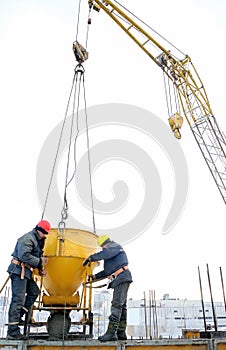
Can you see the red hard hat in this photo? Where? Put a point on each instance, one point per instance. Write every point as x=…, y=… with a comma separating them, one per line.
x=44, y=225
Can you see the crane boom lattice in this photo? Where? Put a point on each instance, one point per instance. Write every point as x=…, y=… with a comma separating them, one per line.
x=212, y=144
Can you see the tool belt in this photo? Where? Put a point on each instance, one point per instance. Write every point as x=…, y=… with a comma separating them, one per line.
x=117, y=272
x=23, y=265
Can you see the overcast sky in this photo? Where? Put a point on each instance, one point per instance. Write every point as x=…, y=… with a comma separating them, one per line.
x=36, y=69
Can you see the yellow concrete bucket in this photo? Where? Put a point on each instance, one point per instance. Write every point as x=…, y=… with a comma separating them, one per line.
x=66, y=251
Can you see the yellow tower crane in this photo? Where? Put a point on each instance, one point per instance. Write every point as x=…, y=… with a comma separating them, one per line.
x=193, y=102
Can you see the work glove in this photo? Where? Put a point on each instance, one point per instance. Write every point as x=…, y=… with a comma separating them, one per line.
x=91, y=278
x=42, y=273
x=86, y=261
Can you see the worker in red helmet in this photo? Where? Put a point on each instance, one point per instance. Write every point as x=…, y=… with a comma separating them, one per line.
x=27, y=255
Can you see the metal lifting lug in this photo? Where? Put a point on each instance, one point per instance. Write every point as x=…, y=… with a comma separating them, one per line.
x=79, y=69
x=61, y=229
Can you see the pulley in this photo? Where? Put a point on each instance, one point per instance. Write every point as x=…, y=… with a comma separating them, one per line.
x=80, y=52
x=96, y=7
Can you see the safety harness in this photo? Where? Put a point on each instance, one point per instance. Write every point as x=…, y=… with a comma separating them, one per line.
x=110, y=277
x=116, y=273
x=23, y=265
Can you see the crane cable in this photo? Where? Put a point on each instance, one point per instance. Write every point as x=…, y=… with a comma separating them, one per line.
x=58, y=148
x=78, y=19
x=78, y=74
x=78, y=78
x=89, y=161
x=168, y=99
x=168, y=96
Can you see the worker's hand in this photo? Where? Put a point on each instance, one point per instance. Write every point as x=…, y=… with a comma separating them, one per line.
x=86, y=261
x=91, y=278
x=42, y=273
x=44, y=260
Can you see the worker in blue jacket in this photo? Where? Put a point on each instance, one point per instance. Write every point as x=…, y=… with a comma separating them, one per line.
x=27, y=255
x=115, y=269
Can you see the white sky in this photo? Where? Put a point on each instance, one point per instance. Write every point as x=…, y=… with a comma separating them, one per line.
x=36, y=70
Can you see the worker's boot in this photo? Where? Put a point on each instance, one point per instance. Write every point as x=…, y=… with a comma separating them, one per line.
x=121, y=332
x=110, y=335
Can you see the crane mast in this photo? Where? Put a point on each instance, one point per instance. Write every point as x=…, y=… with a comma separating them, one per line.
x=191, y=93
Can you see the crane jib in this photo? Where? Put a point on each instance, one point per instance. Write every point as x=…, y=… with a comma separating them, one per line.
x=192, y=101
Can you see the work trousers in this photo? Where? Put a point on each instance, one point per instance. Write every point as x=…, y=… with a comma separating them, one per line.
x=119, y=303
x=24, y=293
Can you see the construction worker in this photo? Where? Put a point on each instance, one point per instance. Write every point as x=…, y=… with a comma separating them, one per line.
x=116, y=270
x=27, y=254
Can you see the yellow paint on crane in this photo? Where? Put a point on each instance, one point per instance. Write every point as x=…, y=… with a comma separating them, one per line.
x=175, y=122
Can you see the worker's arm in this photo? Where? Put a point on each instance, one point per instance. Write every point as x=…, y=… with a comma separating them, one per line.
x=107, y=253
x=25, y=249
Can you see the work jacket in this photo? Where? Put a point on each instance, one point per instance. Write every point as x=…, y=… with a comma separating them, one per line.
x=114, y=258
x=28, y=249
